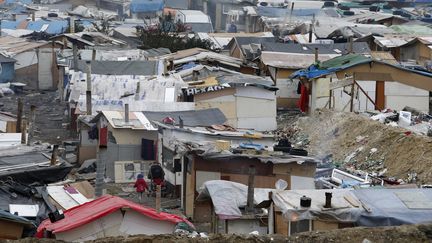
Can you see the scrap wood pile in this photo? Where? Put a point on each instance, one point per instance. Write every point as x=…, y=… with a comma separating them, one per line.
x=361, y=145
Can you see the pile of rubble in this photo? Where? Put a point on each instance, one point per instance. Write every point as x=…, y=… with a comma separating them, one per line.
x=360, y=145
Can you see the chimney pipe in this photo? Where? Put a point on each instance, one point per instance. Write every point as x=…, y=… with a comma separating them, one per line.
x=126, y=115
x=89, y=88
x=195, y=75
x=13, y=17
x=328, y=197
x=94, y=54
x=165, y=64
x=137, y=92
x=181, y=124
x=310, y=33
x=316, y=54
x=350, y=44
x=33, y=16
x=54, y=155
x=19, y=115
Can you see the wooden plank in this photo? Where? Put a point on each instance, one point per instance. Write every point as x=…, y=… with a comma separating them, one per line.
x=352, y=200
x=341, y=83
x=380, y=95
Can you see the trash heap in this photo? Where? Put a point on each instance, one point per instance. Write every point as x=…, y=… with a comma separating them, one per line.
x=409, y=118
x=362, y=144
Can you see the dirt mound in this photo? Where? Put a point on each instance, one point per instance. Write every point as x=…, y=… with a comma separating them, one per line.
x=356, y=142
x=407, y=233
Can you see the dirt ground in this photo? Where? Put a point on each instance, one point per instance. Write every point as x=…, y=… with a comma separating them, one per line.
x=50, y=114
x=369, y=145
x=407, y=233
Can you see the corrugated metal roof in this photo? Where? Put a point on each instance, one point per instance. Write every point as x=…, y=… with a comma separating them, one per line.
x=146, y=68
x=391, y=42
x=309, y=48
x=384, y=56
x=202, y=118
x=10, y=46
x=292, y=60
x=137, y=120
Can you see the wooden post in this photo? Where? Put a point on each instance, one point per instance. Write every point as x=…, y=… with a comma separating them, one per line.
x=352, y=98
x=310, y=32
x=330, y=94
x=89, y=88
x=316, y=55
x=126, y=113
x=23, y=131
x=380, y=95
x=54, y=155
x=158, y=198
x=19, y=115
x=31, y=123
x=137, y=92
x=251, y=189
x=75, y=55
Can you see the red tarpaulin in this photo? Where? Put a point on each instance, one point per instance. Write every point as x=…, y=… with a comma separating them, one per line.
x=98, y=208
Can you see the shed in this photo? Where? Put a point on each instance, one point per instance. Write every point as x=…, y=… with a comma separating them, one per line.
x=12, y=226
x=110, y=216
x=362, y=68
x=7, y=122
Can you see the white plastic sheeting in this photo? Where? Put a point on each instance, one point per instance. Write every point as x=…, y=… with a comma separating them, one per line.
x=114, y=87
x=228, y=197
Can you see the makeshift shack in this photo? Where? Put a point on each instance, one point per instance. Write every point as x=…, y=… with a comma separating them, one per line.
x=346, y=73
x=7, y=122
x=228, y=207
x=296, y=170
x=298, y=211
x=235, y=94
x=12, y=226
x=110, y=216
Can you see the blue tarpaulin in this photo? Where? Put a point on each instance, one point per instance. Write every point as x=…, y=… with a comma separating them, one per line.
x=54, y=26
x=395, y=206
x=311, y=72
x=145, y=6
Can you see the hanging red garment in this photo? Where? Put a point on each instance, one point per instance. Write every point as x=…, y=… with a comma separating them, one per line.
x=103, y=136
x=303, y=102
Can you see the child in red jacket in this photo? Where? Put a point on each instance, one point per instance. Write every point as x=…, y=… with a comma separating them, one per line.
x=141, y=186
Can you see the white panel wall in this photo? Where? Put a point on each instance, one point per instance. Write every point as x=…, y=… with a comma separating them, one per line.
x=203, y=176
x=25, y=59
x=104, y=227
x=135, y=223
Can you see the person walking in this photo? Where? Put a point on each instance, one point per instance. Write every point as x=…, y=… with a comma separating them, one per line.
x=141, y=186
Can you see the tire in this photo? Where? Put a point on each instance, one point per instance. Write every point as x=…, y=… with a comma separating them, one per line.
x=299, y=152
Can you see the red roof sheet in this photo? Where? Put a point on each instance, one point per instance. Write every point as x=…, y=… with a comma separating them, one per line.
x=98, y=208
